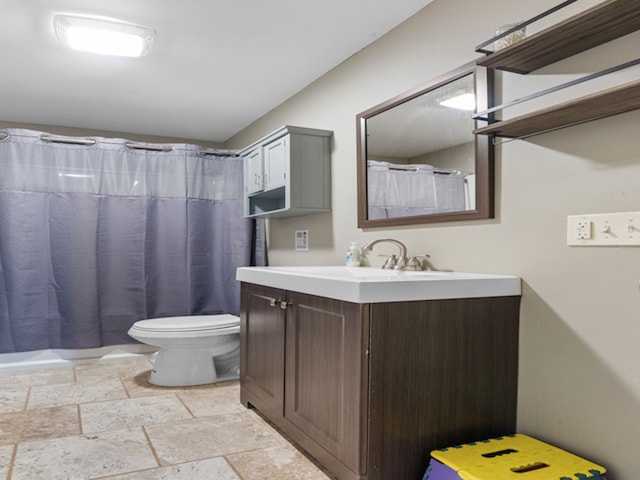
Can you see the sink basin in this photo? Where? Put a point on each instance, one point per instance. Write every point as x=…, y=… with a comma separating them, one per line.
x=375, y=285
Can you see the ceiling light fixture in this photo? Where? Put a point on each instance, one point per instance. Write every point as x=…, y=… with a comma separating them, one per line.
x=104, y=36
x=465, y=101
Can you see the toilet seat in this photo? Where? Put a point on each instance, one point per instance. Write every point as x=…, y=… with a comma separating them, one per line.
x=196, y=326
x=194, y=323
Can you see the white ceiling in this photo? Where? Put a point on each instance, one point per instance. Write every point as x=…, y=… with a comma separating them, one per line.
x=216, y=65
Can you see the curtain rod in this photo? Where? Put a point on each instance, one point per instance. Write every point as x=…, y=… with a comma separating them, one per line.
x=132, y=145
x=69, y=140
x=151, y=147
x=219, y=153
x=441, y=171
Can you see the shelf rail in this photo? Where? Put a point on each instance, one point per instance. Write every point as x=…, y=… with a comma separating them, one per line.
x=480, y=48
x=484, y=115
x=496, y=143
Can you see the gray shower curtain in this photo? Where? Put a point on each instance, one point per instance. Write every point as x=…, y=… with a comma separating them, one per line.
x=94, y=238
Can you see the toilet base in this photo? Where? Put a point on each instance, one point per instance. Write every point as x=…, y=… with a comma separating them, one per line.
x=174, y=367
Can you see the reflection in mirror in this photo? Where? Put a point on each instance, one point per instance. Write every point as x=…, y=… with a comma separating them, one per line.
x=418, y=160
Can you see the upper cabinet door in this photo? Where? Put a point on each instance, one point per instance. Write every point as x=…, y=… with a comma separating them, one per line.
x=253, y=173
x=276, y=160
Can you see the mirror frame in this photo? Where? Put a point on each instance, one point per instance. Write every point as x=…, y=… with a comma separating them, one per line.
x=483, y=147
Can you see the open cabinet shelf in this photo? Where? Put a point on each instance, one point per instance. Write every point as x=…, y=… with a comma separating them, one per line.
x=609, y=102
x=606, y=21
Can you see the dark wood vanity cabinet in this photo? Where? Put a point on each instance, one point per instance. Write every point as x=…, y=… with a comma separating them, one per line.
x=262, y=349
x=303, y=365
x=370, y=389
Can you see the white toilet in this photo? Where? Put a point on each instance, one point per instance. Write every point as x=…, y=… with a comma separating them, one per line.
x=194, y=350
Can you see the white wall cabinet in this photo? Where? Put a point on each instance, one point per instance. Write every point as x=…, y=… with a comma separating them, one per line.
x=288, y=173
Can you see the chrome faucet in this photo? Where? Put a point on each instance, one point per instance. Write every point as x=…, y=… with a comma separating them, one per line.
x=400, y=262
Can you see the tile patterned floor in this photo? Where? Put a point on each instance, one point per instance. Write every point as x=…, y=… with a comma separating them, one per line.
x=105, y=421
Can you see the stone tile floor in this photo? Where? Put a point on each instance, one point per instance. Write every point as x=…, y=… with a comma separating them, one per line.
x=104, y=421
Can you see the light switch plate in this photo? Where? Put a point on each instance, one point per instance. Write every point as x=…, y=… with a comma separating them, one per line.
x=604, y=229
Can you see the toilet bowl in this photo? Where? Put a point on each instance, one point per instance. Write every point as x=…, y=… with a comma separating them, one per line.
x=194, y=350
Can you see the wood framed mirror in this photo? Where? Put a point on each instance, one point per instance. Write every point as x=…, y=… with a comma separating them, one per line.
x=418, y=160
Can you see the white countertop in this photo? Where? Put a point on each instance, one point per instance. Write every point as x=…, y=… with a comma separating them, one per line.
x=375, y=285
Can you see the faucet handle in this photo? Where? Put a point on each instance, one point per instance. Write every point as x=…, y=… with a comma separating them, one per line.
x=390, y=263
x=401, y=264
x=413, y=264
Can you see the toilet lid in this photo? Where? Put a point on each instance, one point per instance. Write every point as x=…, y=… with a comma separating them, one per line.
x=192, y=323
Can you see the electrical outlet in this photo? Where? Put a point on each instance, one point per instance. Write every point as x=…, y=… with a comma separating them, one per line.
x=583, y=229
x=604, y=229
x=302, y=240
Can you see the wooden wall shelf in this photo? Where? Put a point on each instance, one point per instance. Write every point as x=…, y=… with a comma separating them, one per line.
x=603, y=104
x=604, y=22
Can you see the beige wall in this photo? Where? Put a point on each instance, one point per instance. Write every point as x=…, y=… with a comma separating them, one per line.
x=580, y=319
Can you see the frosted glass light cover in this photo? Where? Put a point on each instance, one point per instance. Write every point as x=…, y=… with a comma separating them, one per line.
x=103, y=36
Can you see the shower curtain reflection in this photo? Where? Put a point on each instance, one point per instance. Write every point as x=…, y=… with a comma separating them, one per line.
x=94, y=238
x=407, y=190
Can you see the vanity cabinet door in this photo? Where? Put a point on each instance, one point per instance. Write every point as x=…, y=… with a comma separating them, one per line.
x=443, y=372
x=327, y=374
x=262, y=324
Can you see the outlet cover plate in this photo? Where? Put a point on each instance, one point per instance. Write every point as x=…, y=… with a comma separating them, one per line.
x=302, y=240
x=604, y=229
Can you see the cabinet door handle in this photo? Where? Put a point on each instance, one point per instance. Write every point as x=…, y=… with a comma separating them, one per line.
x=274, y=302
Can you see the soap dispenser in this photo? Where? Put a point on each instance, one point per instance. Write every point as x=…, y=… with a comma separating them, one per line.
x=353, y=255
